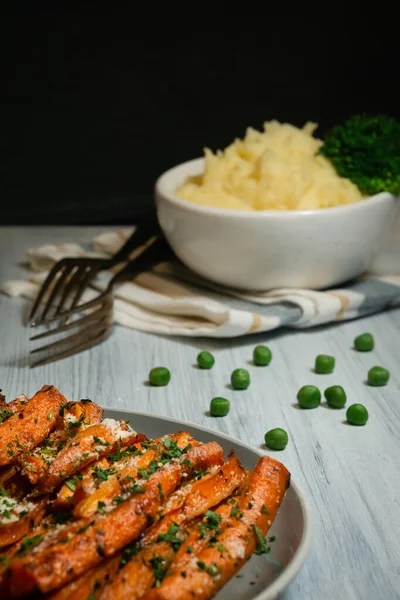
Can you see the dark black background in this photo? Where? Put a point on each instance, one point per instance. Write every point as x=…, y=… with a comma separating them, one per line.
x=99, y=98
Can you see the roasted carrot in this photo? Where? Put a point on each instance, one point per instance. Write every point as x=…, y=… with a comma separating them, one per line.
x=39, y=418
x=35, y=464
x=116, y=482
x=88, y=585
x=164, y=538
x=214, y=566
x=104, y=535
x=84, y=448
x=19, y=525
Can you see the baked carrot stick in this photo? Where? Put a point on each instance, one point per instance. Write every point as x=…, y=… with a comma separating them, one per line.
x=104, y=535
x=19, y=526
x=89, y=584
x=163, y=539
x=214, y=566
x=24, y=430
x=116, y=482
x=84, y=448
x=74, y=415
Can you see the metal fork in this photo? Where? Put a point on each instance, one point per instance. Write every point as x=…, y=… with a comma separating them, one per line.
x=96, y=320
x=70, y=276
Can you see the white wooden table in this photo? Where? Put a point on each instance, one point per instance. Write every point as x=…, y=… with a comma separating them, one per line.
x=351, y=475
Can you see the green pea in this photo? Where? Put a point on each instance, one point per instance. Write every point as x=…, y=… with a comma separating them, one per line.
x=159, y=376
x=378, y=376
x=240, y=379
x=262, y=356
x=335, y=396
x=357, y=414
x=364, y=342
x=309, y=396
x=219, y=407
x=324, y=364
x=276, y=439
x=205, y=360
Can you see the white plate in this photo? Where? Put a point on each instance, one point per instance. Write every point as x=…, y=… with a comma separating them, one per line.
x=263, y=577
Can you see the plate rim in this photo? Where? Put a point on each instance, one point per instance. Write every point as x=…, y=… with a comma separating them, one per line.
x=299, y=557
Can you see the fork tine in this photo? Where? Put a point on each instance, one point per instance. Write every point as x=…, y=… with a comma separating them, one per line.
x=59, y=283
x=69, y=287
x=74, y=337
x=45, y=286
x=78, y=309
x=94, y=316
x=90, y=275
x=88, y=343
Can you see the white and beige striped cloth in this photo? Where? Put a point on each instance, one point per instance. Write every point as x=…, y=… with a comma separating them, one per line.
x=173, y=301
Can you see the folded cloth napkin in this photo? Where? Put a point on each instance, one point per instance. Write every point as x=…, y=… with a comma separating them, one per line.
x=171, y=300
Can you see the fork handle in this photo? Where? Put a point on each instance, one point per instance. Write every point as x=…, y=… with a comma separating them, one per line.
x=159, y=251
x=142, y=233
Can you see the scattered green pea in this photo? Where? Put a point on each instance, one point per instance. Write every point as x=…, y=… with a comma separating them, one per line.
x=159, y=376
x=378, y=376
x=240, y=379
x=324, y=364
x=309, y=396
x=335, y=396
x=357, y=414
x=364, y=342
x=219, y=407
x=276, y=439
x=262, y=356
x=205, y=360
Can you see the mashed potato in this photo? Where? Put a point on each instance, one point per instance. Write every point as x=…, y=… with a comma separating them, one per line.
x=277, y=169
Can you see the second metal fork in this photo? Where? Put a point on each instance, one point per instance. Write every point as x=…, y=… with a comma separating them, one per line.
x=96, y=316
x=69, y=277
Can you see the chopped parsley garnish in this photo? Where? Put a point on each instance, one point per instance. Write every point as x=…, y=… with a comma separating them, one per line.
x=162, y=494
x=171, y=537
x=28, y=543
x=128, y=553
x=72, y=481
x=84, y=528
x=101, y=507
x=265, y=510
x=158, y=564
x=213, y=519
x=99, y=441
x=102, y=474
x=262, y=545
x=76, y=424
x=135, y=488
x=5, y=414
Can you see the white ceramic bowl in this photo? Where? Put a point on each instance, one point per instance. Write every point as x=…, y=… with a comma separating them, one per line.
x=260, y=250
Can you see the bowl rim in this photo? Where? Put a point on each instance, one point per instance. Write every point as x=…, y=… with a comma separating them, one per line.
x=163, y=179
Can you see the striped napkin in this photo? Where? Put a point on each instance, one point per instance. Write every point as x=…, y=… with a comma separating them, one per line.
x=172, y=300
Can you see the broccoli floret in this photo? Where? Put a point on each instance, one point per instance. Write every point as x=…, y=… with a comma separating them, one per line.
x=366, y=150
